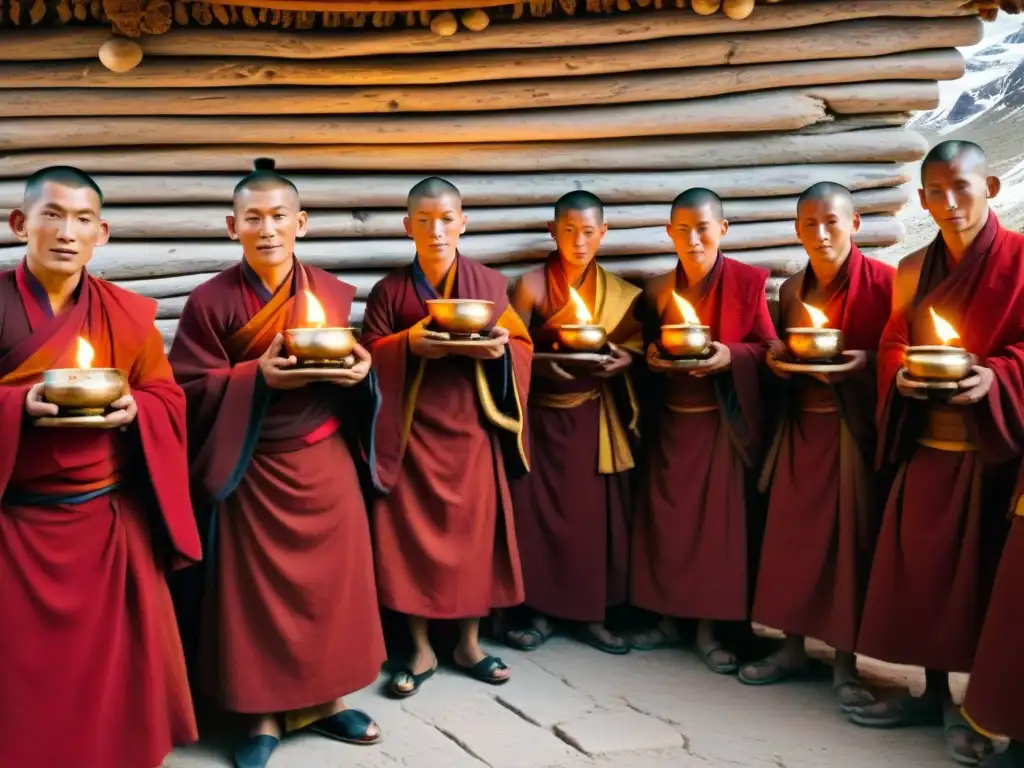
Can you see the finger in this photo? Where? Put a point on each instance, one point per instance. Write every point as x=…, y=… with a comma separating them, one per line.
x=968, y=397
x=971, y=382
x=361, y=352
x=275, y=345
x=122, y=402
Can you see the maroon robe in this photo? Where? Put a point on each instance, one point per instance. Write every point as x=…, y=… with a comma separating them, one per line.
x=572, y=516
x=449, y=430
x=291, y=620
x=92, y=673
x=690, y=555
x=822, y=501
x=945, y=520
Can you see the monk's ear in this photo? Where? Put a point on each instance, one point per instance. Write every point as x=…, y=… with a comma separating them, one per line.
x=856, y=222
x=994, y=186
x=408, y=226
x=725, y=227
x=104, y=234
x=232, y=228
x=17, y=221
x=301, y=224
x=923, y=198
x=604, y=229
x=465, y=220
x=551, y=229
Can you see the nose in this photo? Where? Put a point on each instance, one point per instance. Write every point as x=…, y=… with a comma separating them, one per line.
x=694, y=238
x=950, y=201
x=267, y=228
x=65, y=233
x=437, y=229
x=822, y=234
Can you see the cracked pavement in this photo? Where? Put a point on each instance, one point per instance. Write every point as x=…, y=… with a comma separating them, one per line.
x=570, y=706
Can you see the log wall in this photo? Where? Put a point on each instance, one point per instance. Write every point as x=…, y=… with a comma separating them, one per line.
x=635, y=108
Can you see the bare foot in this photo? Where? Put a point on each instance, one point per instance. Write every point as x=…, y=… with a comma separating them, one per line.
x=967, y=746
x=266, y=725
x=784, y=664
x=665, y=635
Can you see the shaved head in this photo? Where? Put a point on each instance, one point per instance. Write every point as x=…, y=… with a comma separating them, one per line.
x=432, y=188
x=828, y=192
x=64, y=175
x=264, y=177
x=579, y=200
x=698, y=197
x=967, y=154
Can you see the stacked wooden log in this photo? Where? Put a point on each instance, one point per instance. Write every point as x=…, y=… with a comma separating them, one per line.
x=635, y=108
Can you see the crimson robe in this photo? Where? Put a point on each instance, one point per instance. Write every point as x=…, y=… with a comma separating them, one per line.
x=945, y=520
x=290, y=614
x=92, y=673
x=690, y=555
x=572, y=510
x=449, y=432
x=822, y=501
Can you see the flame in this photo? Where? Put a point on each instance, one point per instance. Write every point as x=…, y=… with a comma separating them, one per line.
x=315, y=317
x=689, y=313
x=945, y=331
x=818, y=318
x=583, y=316
x=85, y=353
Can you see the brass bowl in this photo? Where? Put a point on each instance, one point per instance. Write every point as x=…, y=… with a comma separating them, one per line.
x=938, y=363
x=319, y=345
x=460, y=315
x=685, y=340
x=814, y=343
x=83, y=391
x=582, y=338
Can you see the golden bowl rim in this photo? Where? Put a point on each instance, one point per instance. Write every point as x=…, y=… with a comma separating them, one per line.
x=78, y=371
x=936, y=348
x=488, y=302
x=815, y=331
x=350, y=329
x=687, y=325
x=580, y=326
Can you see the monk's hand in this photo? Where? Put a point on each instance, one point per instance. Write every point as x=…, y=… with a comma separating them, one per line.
x=775, y=350
x=491, y=349
x=277, y=371
x=856, y=360
x=974, y=388
x=720, y=360
x=549, y=369
x=905, y=389
x=123, y=412
x=420, y=343
x=35, y=406
x=349, y=377
x=617, y=362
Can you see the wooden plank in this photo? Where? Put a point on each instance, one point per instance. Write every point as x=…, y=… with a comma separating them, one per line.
x=391, y=190
x=871, y=37
x=654, y=154
x=642, y=87
x=128, y=260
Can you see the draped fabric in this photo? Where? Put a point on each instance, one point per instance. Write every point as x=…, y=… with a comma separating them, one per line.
x=450, y=433
x=945, y=519
x=90, y=522
x=290, y=615
x=573, y=509
x=823, y=501
x=690, y=553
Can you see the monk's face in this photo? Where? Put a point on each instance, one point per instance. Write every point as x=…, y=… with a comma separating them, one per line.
x=697, y=234
x=61, y=228
x=434, y=224
x=267, y=221
x=956, y=194
x=825, y=228
x=578, y=235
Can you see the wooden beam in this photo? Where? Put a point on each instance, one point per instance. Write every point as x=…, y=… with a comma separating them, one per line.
x=207, y=221
x=122, y=261
x=872, y=37
x=82, y=43
x=553, y=92
x=391, y=190
x=654, y=154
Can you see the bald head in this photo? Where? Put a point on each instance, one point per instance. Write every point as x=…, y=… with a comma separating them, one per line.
x=827, y=192
x=965, y=154
x=264, y=177
x=63, y=175
x=698, y=197
x=432, y=188
x=579, y=200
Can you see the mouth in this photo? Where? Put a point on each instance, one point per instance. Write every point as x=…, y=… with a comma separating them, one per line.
x=64, y=253
x=267, y=248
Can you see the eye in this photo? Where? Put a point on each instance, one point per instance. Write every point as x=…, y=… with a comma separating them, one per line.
x=84, y=220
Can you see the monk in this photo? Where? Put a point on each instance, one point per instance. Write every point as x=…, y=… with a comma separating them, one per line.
x=690, y=548
x=450, y=433
x=945, y=520
x=92, y=672
x=291, y=621
x=572, y=510
x=822, y=510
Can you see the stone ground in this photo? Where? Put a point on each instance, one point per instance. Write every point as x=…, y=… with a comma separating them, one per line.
x=569, y=706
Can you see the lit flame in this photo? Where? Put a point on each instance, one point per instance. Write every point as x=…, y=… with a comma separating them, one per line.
x=689, y=313
x=85, y=353
x=315, y=317
x=945, y=331
x=583, y=316
x=818, y=318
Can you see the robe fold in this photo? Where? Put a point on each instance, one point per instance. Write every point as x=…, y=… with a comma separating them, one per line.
x=290, y=614
x=690, y=554
x=945, y=520
x=572, y=510
x=823, y=511
x=92, y=672
x=450, y=433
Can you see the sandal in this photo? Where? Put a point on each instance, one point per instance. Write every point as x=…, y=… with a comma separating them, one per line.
x=588, y=636
x=403, y=677
x=349, y=726
x=782, y=674
x=853, y=686
x=516, y=638
x=255, y=751
x=484, y=670
x=664, y=641
x=725, y=668
x=953, y=721
x=906, y=711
